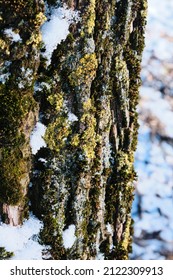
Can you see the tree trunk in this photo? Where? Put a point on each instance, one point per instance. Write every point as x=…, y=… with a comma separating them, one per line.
x=19, y=59
x=82, y=182
x=86, y=185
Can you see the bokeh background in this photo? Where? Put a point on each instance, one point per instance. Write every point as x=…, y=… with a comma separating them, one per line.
x=153, y=205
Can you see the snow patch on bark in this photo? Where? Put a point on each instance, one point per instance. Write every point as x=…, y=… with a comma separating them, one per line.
x=15, y=37
x=69, y=236
x=22, y=240
x=56, y=29
x=36, y=138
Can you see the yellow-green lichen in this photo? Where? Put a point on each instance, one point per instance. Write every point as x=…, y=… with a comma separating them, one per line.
x=35, y=39
x=86, y=70
x=75, y=140
x=57, y=133
x=89, y=139
x=87, y=105
x=39, y=19
x=91, y=17
x=89, y=136
x=4, y=46
x=126, y=234
x=125, y=162
x=57, y=101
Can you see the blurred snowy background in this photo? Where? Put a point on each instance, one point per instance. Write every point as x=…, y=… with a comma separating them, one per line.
x=153, y=205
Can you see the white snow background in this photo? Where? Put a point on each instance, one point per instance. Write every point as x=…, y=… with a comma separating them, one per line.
x=153, y=205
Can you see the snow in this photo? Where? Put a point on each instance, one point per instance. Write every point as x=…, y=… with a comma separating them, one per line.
x=161, y=109
x=21, y=85
x=15, y=37
x=167, y=235
x=27, y=72
x=72, y=117
x=22, y=240
x=36, y=138
x=150, y=223
x=43, y=160
x=4, y=71
x=160, y=24
x=69, y=236
x=153, y=205
x=100, y=256
x=4, y=77
x=56, y=28
x=109, y=229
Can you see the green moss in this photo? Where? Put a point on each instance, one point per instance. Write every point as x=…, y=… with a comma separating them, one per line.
x=125, y=164
x=118, y=253
x=105, y=248
x=5, y=255
x=51, y=235
x=17, y=106
x=52, y=2
x=97, y=86
x=85, y=221
x=12, y=168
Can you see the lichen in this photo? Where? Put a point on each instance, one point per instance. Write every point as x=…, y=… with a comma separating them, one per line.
x=56, y=100
x=75, y=141
x=126, y=234
x=89, y=136
x=91, y=159
x=18, y=109
x=39, y=19
x=85, y=72
x=90, y=23
x=57, y=133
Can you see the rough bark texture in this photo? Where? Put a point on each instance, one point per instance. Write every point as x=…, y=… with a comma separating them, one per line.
x=19, y=61
x=87, y=178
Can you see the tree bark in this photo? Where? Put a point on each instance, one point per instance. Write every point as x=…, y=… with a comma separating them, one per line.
x=85, y=181
x=19, y=58
x=88, y=178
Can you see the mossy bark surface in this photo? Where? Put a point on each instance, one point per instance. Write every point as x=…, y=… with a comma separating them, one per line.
x=19, y=58
x=89, y=107
x=88, y=177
